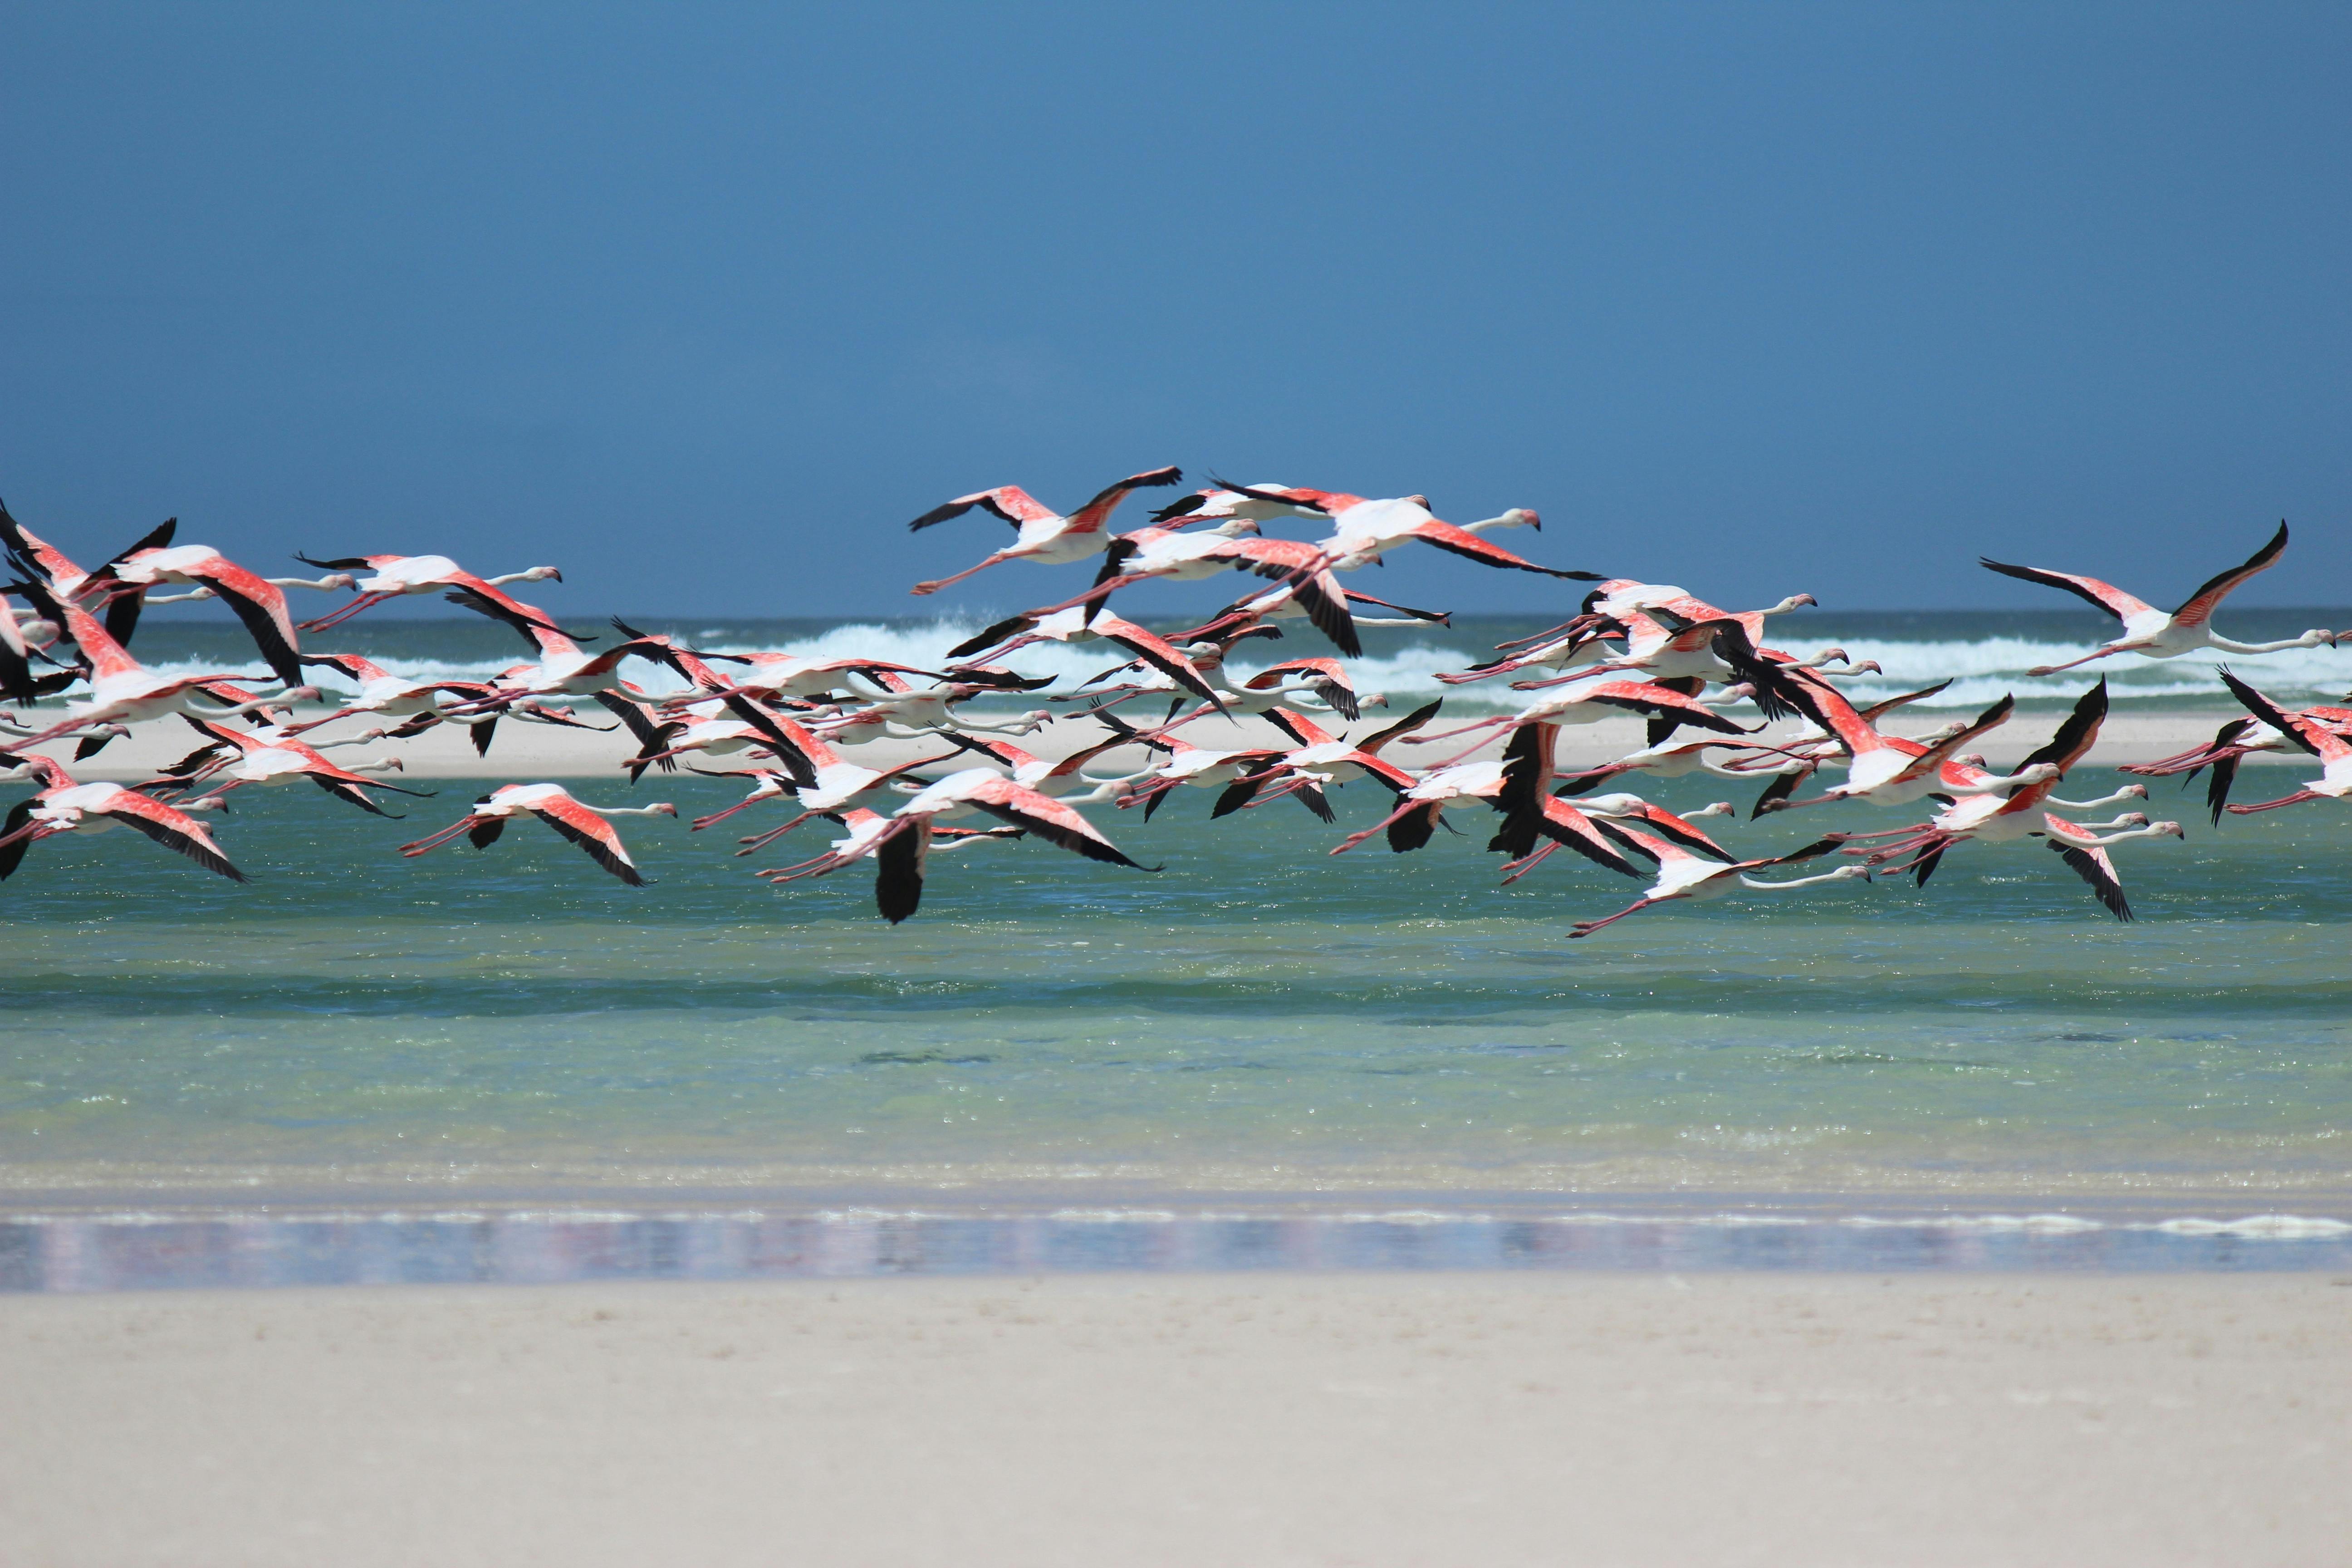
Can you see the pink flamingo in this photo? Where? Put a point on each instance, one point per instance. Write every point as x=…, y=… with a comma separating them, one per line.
x=65, y=806
x=1044, y=535
x=582, y=823
x=2150, y=632
x=391, y=577
x=2332, y=749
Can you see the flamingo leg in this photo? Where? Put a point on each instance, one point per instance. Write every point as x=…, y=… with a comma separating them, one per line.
x=342, y=612
x=2107, y=652
x=937, y=584
x=1407, y=809
x=761, y=840
x=1529, y=862
x=1586, y=928
x=423, y=845
x=2297, y=798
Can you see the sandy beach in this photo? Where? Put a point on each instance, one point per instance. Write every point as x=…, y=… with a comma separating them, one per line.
x=524, y=752
x=1265, y=1419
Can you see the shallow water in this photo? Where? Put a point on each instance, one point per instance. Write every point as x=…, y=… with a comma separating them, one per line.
x=1258, y=1019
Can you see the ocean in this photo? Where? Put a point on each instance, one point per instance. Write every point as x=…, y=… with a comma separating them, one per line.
x=508, y=1065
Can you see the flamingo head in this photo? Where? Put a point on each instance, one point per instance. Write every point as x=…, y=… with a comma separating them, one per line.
x=1519, y=517
x=542, y=575
x=1719, y=808
x=662, y=808
x=2173, y=828
x=2138, y=792
x=1793, y=602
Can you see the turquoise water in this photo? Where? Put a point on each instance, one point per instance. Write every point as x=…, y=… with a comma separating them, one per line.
x=1258, y=1022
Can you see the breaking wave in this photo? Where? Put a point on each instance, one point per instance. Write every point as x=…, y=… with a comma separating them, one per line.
x=1406, y=666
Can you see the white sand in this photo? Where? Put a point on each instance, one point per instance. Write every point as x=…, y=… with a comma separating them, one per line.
x=522, y=752
x=1220, y=1419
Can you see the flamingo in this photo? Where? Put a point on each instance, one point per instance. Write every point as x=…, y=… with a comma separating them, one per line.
x=902, y=844
x=417, y=703
x=906, y=715
x=1318, y=758
x=1058, y=778
x=44, y=563
x=1888, y=770
x=64, y=806
x=1663, y=646
x=1044, y=535
x=17, y=655
x=1282, y=603
x=390, y=577
x=2331, y=747
x=1364, y=530
x=821, y=780
x=582, y=823
x=2234, y=741
x=275, y=758
x=2150, y=632
x=1074, y=626
x=1198, y=767
x=259, y=603
x=122, y=690
x=1597, y=700
x=1304, y=569
x=1996, y=819
x=564, y=668
x=1531, y=809
x=1683, y=875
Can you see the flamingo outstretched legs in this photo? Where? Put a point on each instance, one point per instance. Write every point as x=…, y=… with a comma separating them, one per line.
x=1399, y=815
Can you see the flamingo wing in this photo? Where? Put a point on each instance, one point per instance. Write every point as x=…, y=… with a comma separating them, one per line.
x=1304, y=570
x=35, y=557
x=261, y=606
x=1056, y=823
x=16, y=660
x=2206, y=600
x=1682, y=831
x=2074, y=737
x=1564, y=825
x=2080, y=849
x=2105, y=595
x=1372, y=743
x=591, y=833
x=1878, y=710
x=1010, y=503
x=1933, y=756
x=1160, y=654
x=801, y=753
x=1091, y=517
x=1825, y=705
x=174, y=830
x=1643, y=696
x=1462, y=542
x=2315, y=738
x=1003, y=631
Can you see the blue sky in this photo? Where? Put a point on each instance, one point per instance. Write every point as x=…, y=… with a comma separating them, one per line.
x=703, y=303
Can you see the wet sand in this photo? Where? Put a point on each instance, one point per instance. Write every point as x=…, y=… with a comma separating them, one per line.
x=531, y=751
x=1743, y=1418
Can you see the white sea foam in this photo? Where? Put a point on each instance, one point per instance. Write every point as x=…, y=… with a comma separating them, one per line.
x=1981, y=669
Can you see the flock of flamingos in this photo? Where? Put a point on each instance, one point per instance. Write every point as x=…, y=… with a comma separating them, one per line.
x=783, y=723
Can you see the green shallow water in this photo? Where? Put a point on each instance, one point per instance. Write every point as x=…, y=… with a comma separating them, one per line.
x=1257, y=1018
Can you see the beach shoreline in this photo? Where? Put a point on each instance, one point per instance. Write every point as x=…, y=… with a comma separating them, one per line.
x=1283, y=1418
x=532, y=751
